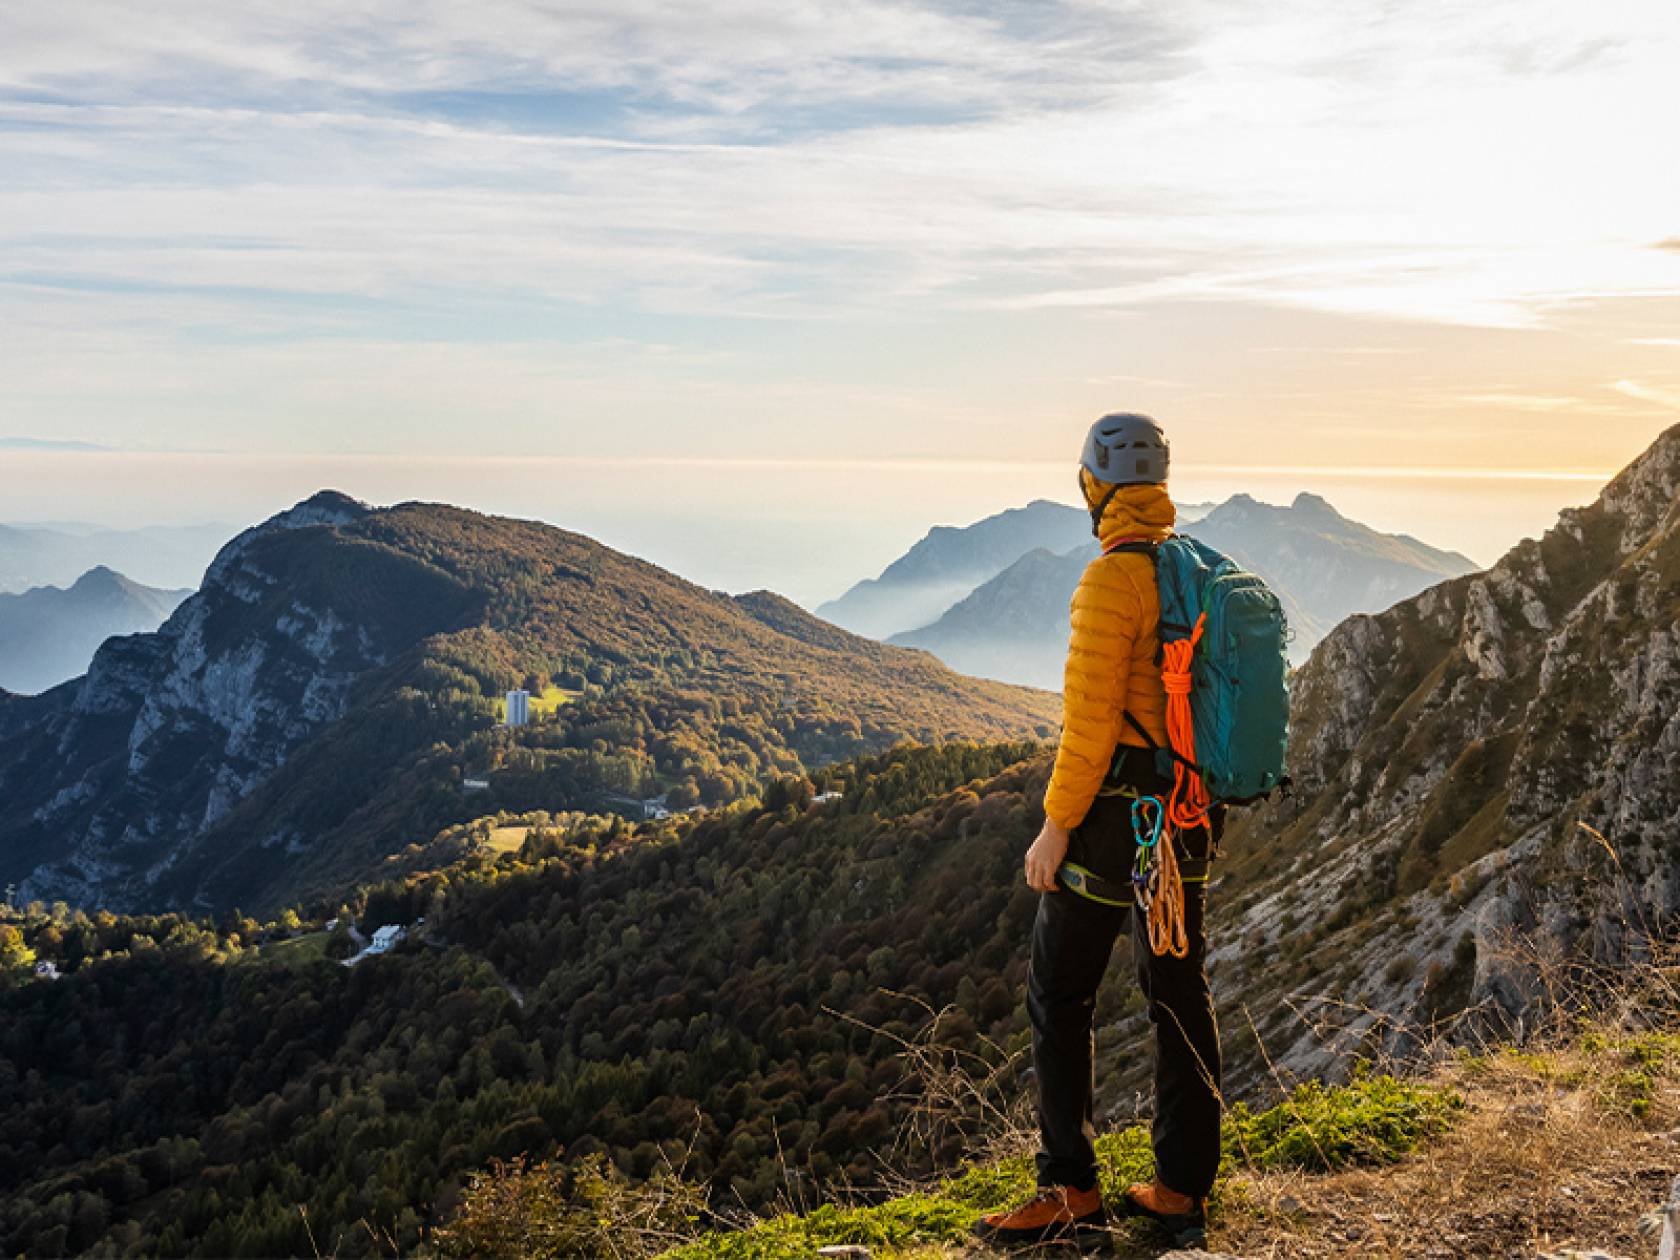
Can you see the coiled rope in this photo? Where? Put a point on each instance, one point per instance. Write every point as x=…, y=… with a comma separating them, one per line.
x=1159, y=883
x=1188, y=805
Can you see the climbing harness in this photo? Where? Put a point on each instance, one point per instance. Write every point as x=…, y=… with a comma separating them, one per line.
x=1091, y=886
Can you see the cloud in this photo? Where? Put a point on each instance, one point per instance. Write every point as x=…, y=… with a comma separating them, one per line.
x=789, y=158
x=352, y=191
x=1657, y=395
x=48, y=444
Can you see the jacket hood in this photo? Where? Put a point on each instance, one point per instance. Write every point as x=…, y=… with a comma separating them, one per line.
x=1140, y=511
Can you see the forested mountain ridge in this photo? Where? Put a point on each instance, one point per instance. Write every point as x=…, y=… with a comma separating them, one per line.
x=316, y=706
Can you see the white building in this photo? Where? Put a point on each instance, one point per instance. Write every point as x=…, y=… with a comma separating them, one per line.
x=518, y=708
x=475, y=785
x=46, y=969
x=385, y=937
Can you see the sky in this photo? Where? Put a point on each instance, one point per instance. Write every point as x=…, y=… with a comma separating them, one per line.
x=762, y=289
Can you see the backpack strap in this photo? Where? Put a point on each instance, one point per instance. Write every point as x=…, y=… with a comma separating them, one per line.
x=1149, y=740
x=1134, y=542
x=1138, y=727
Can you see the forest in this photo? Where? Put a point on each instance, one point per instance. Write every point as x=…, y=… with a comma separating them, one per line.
x=725, y=985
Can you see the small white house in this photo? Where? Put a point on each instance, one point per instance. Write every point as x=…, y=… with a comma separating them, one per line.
x=46, y=969
x=475, y=785
x=518, y=708
x=385, y=937
x=823, y=798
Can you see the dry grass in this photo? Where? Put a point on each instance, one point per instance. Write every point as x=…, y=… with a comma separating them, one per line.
x=1542, y=1160
x=1539, y=1163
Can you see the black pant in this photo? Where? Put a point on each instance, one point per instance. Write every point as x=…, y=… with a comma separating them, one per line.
x=1071, y=943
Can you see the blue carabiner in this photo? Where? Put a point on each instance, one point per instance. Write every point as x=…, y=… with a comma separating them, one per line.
x=1147, y=816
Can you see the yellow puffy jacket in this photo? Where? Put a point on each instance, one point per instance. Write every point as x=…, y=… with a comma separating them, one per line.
x=1111, y=667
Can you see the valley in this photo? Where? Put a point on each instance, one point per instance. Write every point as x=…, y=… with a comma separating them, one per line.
x=1482, y=782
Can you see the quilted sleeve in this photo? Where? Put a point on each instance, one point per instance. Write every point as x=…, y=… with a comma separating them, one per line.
x=1106, y=615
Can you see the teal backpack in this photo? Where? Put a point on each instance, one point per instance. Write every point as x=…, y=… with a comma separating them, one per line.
x=1237, y=671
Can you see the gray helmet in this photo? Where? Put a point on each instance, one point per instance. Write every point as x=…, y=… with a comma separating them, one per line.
x=1126, y=448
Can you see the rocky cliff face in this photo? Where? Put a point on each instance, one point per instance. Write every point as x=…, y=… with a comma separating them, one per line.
x=1448, y=756
x=106, y=779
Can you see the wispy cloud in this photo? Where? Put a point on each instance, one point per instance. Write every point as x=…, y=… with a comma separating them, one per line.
x=783, y=156
x=1661, y=397
x=47, y=444
x=348, y=222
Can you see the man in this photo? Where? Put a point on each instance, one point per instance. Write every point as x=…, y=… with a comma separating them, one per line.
x=1082, y=862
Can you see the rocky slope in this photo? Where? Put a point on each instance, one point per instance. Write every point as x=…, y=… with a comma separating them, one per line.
x=314, y=706
x=49, y=634
x=1448, y=755
x=1322, y=565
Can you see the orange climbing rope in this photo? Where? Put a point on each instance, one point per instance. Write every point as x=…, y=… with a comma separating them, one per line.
x=1187, y=806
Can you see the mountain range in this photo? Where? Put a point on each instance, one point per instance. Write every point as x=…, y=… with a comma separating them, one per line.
x=1486, y=790
x=315, y=706
x=56, y=554
x=1323, y=566
x=949, y=562
x=49, y=634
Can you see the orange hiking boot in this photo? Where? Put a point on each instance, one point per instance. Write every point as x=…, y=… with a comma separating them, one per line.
x=1054, y=1213
x=1181, y=1215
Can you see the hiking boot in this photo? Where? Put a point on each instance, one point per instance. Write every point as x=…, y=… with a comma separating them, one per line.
x=1181, y=1215
x=1054, y=1213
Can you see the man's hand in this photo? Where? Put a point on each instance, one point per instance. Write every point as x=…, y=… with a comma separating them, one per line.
x=1045, y=856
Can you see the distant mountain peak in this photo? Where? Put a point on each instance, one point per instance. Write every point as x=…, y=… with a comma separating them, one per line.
x=948, y=562
x=331, y=506
x=49, y=634
x=1323, y=566
x=1306, y=501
